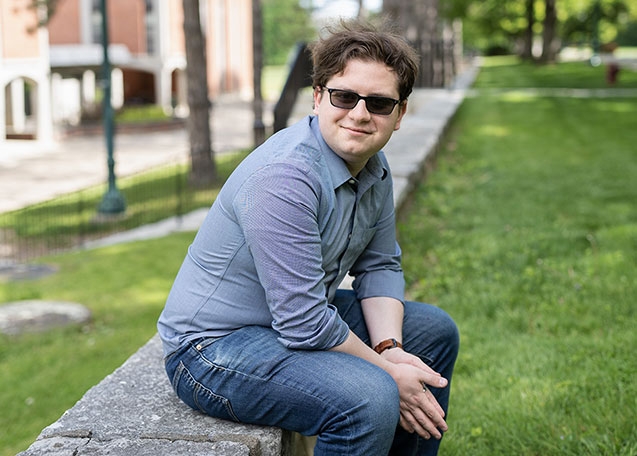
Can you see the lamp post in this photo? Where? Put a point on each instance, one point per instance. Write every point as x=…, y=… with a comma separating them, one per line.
x=112, y=202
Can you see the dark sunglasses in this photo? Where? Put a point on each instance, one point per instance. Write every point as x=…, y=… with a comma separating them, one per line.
x=346, y=99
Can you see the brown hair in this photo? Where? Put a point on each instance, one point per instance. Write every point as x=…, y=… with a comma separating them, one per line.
x=355, y=39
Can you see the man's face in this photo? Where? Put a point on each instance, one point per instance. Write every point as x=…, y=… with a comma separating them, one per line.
x=356, y=134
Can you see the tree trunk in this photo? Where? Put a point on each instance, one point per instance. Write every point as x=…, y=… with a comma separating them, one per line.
x=257, y=64
x=549, y=51
x=203, y=170
x=527, y=45
x=362, y=13
x=418, y=21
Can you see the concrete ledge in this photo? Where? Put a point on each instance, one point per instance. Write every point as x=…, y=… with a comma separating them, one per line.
x=421, y=130
x=135, y=411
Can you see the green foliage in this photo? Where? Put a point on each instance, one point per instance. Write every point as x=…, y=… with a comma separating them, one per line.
x=627, y=36
x=48, y=6
x=492, y=24
x=526, y=234
x=272, y=81
x=141, y=114
x=605, y=16
x=285, y=23
x=496, y=24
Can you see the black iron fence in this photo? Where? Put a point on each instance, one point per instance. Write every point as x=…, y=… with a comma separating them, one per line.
x=71, y=221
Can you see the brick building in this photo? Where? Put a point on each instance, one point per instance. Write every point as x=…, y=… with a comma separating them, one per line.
x=24, y=74
x=50, y=76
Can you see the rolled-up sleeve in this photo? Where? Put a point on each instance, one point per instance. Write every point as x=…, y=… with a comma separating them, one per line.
x=277, y=208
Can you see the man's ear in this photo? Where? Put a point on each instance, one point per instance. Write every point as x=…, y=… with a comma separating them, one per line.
x=402, y=111
x=317, y=96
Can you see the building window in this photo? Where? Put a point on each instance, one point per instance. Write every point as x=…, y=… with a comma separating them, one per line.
x=151, y=26
x=96, y=22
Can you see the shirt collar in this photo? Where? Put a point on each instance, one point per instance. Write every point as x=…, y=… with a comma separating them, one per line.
x=375, y=169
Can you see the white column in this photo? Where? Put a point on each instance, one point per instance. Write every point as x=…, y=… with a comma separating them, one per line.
x=42, y=111
x=3, y=120
x=162, y=32
x=86, y=10
x=162, y=89
x=88, y=89
x=56, y=91
x=117, y=88
x=44, y=100
x=181, y=110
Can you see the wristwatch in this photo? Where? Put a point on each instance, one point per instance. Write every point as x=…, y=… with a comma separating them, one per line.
x=386, y=345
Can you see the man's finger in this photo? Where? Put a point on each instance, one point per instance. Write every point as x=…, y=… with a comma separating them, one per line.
x=433, y=400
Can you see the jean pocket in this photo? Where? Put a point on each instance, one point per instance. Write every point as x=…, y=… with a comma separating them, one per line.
x=200, y=397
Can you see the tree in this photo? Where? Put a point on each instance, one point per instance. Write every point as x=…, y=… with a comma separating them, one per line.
x=549, y=33
x=285, y=23
x=601, y=17
x=419, y=21
x=362, y=12
x=203, y=169
x=512, y=25
x=48, y=8
x=527, y=38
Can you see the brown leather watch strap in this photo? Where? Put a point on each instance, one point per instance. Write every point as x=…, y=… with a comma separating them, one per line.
x=386, y=345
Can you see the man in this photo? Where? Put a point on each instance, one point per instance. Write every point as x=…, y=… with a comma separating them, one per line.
x=255, y=330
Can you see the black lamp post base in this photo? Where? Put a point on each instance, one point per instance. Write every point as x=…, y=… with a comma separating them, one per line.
x=112, y=203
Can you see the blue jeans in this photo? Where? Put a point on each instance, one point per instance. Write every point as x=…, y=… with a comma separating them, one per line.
x=351, y=405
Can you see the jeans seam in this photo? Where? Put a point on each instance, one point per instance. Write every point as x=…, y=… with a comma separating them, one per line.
x=199, y=388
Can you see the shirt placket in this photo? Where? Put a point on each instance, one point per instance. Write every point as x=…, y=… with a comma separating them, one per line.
x=344, y=265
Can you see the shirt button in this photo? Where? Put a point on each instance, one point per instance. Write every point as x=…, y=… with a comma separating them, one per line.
x=351, y=182
x=198, y=347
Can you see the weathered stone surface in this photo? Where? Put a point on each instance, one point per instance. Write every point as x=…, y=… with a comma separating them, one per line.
x=64, y=446
x=37, y=316
x=136, y=404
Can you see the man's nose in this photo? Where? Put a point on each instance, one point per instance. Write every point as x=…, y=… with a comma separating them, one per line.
x=360, y=110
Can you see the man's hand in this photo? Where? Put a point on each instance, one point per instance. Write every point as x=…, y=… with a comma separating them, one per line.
x=419, y=409
x=399, y=356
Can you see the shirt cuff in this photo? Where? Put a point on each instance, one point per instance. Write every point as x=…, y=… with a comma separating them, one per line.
x=382, y=282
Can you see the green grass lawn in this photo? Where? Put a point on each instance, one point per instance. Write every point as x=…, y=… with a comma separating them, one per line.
x=525, y=232
x=44, y=374
x=510, y=72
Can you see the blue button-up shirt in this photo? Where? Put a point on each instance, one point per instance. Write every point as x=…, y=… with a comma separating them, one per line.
x=286, y=228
